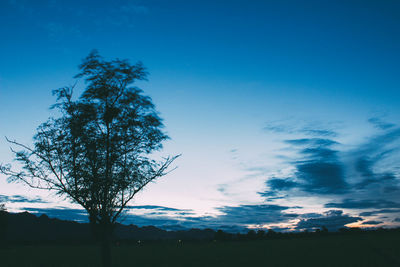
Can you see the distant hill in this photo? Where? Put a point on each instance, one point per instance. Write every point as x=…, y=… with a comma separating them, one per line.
x=27, y=227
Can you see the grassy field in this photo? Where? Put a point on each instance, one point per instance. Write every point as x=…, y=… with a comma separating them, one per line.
x=371, y=249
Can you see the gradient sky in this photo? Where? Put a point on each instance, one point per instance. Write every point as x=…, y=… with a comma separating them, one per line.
x=286, y=112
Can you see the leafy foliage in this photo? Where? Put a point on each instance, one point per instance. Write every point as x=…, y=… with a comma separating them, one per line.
x=97, y=153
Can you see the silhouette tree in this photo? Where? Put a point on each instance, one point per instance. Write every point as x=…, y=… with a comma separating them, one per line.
x=271, y=233
x=260, y=234
x=222, y=236
x=3, y=224
x=97, y=152
x=251, y=235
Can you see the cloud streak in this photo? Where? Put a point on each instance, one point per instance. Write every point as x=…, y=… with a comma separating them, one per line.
x=21, y=199
x=291, y=126
x=363, y=204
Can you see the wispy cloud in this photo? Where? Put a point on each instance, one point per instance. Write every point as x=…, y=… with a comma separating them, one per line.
x=380, y=124
x=22, y=199
x=152, y=207
x=379, y=212
x=295, y=126
x=363, y=204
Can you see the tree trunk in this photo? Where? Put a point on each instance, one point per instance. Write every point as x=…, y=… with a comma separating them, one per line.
x=101, y=234
x=3, y=228
x=94, y=228
x=106, y=252
x=105, y=239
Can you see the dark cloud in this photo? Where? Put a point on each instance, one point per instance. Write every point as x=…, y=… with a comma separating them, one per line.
x=378, y=212
x=363, y=204
x=166, y=223
x=237, y=218
x=281, y=184
x=253, y=214
x=364, y=166
x=233, y=219
x=377, y=145
x=285, y=126
x=380, y=124
x=397, y=220
x=321, y=170
x=291, y=215
x=319, y=152
x=376, y=161
x=372, y=222
x=22, y=199
x=322, y=177
x=391, y=188
x=318, y=170
x=332, y=220
x=159, y=216
x=311, y=142
x=271, y=198
x=365, y=177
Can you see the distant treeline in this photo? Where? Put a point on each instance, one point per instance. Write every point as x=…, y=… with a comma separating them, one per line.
x=271, y=234
x=26, y=228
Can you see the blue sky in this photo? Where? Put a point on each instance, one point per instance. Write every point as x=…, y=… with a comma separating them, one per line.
x=286, y=113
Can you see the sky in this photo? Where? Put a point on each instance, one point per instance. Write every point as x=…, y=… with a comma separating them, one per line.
x=286, y=113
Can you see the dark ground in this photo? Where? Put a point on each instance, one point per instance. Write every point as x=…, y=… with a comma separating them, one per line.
x=366, y=249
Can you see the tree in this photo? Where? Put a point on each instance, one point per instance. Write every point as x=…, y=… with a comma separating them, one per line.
x=260, y=234
x=3, y=224
x=222, y=236
x=251, y=235
x=97, y=152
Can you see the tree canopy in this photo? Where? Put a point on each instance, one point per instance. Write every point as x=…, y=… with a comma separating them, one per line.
x=98, y=151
